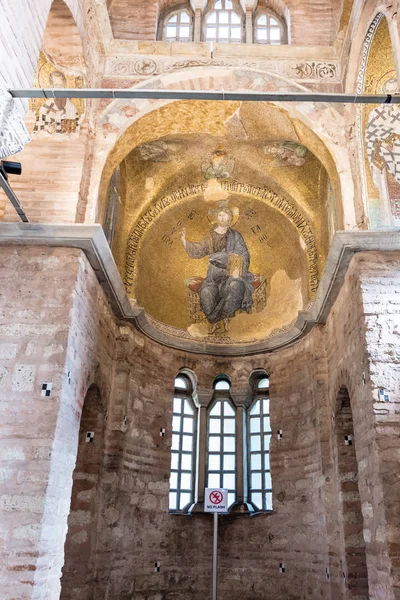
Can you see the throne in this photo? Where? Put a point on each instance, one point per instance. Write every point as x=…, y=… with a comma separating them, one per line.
x=193, y=284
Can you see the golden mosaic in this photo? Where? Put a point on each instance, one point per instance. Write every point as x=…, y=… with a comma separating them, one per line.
x=380, y=130
x=221, y=231
x=56, y=115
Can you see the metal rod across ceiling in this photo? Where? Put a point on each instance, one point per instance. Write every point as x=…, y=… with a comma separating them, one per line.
x=204, y=95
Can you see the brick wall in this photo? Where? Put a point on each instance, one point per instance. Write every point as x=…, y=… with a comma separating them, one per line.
x=23, y=27
x=56, y=328
x=351, y=364
x=312, y=23
x=134, y=19
x=134, y=528
x=379, y=281
x=49, y=328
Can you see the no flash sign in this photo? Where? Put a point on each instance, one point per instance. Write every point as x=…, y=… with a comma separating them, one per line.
x=216, y=500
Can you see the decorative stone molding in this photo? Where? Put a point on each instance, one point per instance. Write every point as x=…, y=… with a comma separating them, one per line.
x=91, y=239
x=149, y=66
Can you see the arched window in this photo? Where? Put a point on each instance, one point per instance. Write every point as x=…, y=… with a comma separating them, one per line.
x=223, y=23
x=258, y=442
x=211, y=434
x=178, y=27
x=221, y=460
x=269, y=28
x=183, y=451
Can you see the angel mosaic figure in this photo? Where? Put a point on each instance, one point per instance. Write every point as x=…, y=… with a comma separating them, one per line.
x=220, y=166
x=228, y=285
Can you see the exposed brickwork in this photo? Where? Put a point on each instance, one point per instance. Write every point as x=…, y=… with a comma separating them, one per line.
x=349, y=365
x=42, y=340
x=379, y=277
x=119, y=524
x=134, y=19
x=312, y=23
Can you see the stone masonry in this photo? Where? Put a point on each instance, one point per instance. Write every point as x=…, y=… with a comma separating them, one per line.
x=62, y=349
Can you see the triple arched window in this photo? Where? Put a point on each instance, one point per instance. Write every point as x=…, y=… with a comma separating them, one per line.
x=208, y=448
x=223, y=21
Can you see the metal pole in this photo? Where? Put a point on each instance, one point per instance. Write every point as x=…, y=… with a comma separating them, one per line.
x=215, y=558
x=13, y=198
x=204, y=95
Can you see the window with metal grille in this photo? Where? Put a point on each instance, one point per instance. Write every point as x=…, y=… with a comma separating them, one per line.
x=221, y=434
x=223, y=23
x=258, y=448
x=178, y=27
x=183, y=450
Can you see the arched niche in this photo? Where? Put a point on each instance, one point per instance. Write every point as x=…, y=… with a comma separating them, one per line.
x=79, y=568
x=126, y=125
x=377, y=129
x=262, y=163
x=51, y=185
x=352, y=553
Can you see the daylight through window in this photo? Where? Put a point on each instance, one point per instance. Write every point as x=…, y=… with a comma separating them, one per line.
x=259, y=438
x=178, y=27
x=216, y=446
x=222, y=447
x=268, y=30
x=184, y=421
x=223, y=24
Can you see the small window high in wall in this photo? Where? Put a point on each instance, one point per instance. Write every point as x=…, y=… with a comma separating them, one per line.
x=223, y=23
x=178, y=27
x=269, y=29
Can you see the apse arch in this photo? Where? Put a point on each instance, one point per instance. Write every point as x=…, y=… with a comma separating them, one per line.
x=378, y=74
x=358, y=51
x=322, y=122
x=62, y=38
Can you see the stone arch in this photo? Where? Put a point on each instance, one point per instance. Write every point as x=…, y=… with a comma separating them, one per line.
x=360, y=30
x=60, y=140
x=323, y=120
x=191, y=375
x=352, y=552
x=62, y=37
x=80, y=543
x=376, y=43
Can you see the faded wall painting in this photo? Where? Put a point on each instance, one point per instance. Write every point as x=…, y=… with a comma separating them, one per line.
x=219, y=165
x=378, y=129
x=56, y=115
x=230, y=271
x=285, y=154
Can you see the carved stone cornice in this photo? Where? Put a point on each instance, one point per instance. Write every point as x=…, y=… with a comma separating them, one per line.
x=91, y=239
x=311, y=71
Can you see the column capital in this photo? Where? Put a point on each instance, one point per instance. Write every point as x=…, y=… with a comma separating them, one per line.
x=240, y=397
x=248, y=4
x=198, y=4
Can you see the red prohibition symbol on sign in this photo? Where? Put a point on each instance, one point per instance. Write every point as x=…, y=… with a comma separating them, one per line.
x=216, y=497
